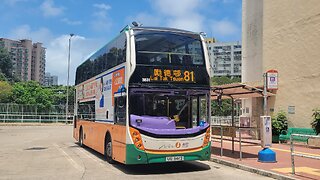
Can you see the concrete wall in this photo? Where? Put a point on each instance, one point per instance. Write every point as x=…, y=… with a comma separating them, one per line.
x=252, y=40
x=291, y=44
x=252, y=11
x=284, y=35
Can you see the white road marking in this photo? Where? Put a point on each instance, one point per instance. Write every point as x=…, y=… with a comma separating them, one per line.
x=71, y=161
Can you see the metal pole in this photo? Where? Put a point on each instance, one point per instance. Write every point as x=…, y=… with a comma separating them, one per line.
x=265, y=96
x=292, y=156
x=240, y=144
x=232, y=121
x=67, y=103
x=22, y=115
x=221, y=141
x=7, y=112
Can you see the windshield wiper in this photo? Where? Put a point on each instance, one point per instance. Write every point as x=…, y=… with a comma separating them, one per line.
x=143, y=85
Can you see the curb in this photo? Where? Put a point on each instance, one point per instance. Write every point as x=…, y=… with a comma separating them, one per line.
x=252, y=169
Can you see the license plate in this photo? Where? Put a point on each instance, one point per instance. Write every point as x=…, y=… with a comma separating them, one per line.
x=174, y=158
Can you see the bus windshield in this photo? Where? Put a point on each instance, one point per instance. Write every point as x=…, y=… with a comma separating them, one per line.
x=159, y=48
x=171, y=109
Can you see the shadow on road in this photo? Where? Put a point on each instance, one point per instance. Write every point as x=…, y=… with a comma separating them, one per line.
x=162, y=168
x=157, y=168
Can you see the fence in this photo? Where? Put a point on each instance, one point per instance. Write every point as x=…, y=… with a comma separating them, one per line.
x=300, y=155
x=13, y=113
x=44, y=118
x=224, y=120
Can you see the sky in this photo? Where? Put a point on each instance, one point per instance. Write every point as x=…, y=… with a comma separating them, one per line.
x=95, y=22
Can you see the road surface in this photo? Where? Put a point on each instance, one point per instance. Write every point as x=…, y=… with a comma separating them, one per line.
x=50, y=152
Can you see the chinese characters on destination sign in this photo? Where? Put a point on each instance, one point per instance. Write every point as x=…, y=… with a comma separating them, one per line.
x=169, y=75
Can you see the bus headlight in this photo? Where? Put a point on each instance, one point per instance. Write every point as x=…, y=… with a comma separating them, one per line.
x=206, y=138
x=136, y=138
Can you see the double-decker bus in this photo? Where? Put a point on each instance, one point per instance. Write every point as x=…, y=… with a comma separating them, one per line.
x=145, y=97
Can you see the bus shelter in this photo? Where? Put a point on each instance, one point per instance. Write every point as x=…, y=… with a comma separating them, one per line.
x=234, y=91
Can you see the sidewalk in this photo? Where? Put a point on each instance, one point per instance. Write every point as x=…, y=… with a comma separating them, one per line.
x=305, y=168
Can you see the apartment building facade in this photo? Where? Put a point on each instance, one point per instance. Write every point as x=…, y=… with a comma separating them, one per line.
x=225, y=58
x=50, y=80
x=28, y=59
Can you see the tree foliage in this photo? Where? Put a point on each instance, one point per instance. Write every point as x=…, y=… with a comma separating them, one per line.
x=316, y=120
x=224, y=80
x=5, y=92
x=32, y=93
x=226, y=106
x=279, y=123
x=5, y=64
x=59, y=95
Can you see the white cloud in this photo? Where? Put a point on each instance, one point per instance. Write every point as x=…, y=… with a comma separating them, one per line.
x=70, y=22
x=57, y=49
x=13, y=2
x=24, y=32
x=145, y=18
x=178, y=14
x=224, y=28
x=102, y=6
x=101, y=21
x=57, y=55
x=190, y=15
x=176, y=8
x=192, y=23
x=48, y=8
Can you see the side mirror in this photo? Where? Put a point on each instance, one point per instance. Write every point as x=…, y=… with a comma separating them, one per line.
x=121, y=102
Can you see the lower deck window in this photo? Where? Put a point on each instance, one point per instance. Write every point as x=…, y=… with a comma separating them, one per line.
x=86, y=110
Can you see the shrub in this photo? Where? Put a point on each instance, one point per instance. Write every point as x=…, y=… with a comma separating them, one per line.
x=279, y=123
x=316, y=120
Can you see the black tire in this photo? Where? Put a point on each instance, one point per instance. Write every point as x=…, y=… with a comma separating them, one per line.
x=108, y=150
x=81, y=138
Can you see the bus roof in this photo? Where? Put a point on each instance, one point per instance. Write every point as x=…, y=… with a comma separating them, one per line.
x=163, y=29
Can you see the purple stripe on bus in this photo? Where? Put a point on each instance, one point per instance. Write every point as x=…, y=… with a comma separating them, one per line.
x=161, y=125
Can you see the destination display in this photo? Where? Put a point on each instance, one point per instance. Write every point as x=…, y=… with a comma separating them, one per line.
x=171, y=75
x=167, y=74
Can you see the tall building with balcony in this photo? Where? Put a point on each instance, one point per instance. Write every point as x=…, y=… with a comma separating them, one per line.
x=28, y=59
x=225, y=59
x=50, y=80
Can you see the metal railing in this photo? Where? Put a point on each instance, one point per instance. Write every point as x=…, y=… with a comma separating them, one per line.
x=300, y=155
x=35, y=118
x=236, y=129
x=224, y=120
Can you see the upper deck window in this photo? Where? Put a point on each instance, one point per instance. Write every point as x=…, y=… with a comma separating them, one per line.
x=168, y=48
x=109, y=56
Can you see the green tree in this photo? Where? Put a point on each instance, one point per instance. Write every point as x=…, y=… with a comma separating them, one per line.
x=59, y=96
x=5, y=92
x=226, y=107
x=32, y=93
x=224, y=80
x=5, y=63
x=316, y=120
x=279, y=122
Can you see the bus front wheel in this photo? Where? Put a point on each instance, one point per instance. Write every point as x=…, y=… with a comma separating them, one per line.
x=108, y=150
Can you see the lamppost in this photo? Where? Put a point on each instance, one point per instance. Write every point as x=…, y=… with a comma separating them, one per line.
x=67, y=103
